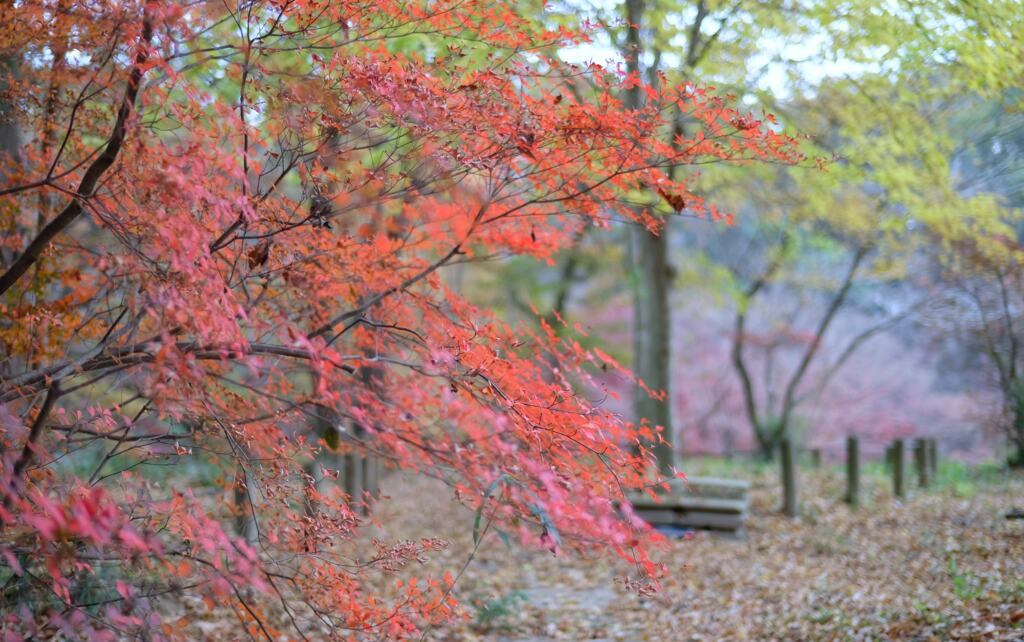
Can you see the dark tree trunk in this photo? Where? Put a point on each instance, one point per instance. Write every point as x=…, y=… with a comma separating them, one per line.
x=10, y=140
x=652, y=280
x=652, y=338
x=1016, y=456
x=767, y=447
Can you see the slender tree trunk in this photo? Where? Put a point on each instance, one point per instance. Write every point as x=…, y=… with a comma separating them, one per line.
x=767, y=445
x=766, y=434
x=652, y=337
x=10, y=139
x=789, y=399
x=652, y=272
x=1016, y=456
x=245, y=520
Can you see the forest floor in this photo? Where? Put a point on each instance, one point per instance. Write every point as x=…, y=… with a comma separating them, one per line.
x=945, y=564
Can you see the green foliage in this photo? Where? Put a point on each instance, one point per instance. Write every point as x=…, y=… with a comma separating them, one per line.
x=491, y=611
x=1012, y=593
x=964, y=480
x=930, y=615
x=965, y=584
x=704, y=274
x=737, y=467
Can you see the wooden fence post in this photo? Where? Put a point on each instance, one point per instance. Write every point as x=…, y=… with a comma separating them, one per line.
x=314, y=470
x=245, y=521
x=371, y=476
x=852, y=470
x=789, y=504
x=816, y=457
x=899, y=480
x=354, y=480
x=921, y=462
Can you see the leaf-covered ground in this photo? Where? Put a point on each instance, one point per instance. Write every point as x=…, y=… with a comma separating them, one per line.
x=943, y=565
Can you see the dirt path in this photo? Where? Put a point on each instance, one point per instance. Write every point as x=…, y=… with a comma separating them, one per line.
x=937, y=567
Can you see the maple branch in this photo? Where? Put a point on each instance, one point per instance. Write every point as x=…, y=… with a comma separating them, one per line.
x=114, y=435
x=113, y=452
x=33, y=436
x=89, y=182
x=145, y=352
x=355, y=312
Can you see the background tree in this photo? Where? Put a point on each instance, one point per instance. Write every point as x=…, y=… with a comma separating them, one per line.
x=974, y=320
x=890, y=194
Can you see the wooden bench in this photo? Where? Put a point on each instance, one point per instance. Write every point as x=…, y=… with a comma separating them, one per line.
x=697, y=502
